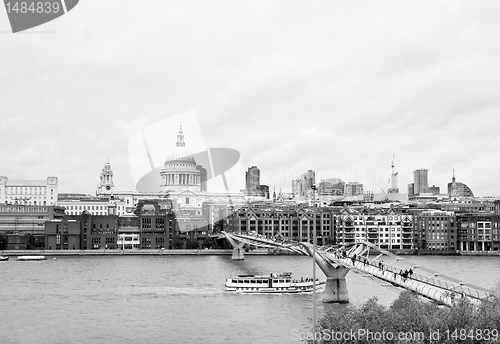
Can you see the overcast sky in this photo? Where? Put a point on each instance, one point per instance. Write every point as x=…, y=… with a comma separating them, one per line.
x=333, y=86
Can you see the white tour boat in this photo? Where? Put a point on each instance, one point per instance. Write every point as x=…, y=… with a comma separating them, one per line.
x=272, y=283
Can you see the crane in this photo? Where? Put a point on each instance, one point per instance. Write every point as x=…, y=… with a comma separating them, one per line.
x=394, y=177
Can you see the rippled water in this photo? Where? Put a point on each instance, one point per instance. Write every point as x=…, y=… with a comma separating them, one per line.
x=175, y=299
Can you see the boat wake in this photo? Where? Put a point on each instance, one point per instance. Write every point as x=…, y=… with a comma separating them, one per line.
x=160, y=291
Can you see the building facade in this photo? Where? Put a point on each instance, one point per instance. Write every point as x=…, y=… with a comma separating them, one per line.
x=302, y=186
x=331, y=187
x=252, y=180
x=478, y=233
x=387, y=228
x=29, y=192
x=63, y=235
x=420, y=181
x=353, y=189
x=435, y=230
x=156, y=224
x=290, y=223
x=23, y=226
x=76, y=204
x=128, y=237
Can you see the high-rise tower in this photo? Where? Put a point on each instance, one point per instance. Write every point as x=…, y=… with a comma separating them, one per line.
x=420, y=181
x=252, y=180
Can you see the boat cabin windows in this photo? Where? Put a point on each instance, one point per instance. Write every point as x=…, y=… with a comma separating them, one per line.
x=281, y=281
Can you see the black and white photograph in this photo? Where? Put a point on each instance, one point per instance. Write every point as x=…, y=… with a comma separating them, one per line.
x=250, y=171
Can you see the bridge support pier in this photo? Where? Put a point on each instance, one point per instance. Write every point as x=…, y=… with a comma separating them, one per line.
x=336, y=287
x=238, y=250
x=238, y=253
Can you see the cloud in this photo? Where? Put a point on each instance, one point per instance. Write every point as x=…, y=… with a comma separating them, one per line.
x=337, y=87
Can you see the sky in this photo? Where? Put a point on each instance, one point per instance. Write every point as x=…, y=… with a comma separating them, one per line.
x=333, y=86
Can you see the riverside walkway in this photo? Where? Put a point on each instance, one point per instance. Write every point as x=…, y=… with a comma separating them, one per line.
x=370, y=261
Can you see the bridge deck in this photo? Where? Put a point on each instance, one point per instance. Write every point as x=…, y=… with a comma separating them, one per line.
x=389, y=273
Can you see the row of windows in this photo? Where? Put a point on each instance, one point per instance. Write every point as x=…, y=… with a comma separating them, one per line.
x=371, y=218
x=10, y=209
x=394, y=235
x=26, y=190
x=397, y=229
x=90, y=207
x=93, y=213
x=158, y=240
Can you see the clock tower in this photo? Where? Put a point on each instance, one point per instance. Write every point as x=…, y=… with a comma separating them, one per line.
x=106, y=186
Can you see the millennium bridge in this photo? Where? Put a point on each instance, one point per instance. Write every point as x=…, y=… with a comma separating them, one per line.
x=368, y=260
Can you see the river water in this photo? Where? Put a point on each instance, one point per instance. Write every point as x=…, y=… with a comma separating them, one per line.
x=176, y=299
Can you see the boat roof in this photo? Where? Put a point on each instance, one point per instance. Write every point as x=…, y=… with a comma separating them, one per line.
x=270, y=275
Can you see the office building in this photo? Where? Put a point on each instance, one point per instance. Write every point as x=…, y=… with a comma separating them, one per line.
x=302, y=186
x=331, y=187
x=353, y=189
x=420, y=181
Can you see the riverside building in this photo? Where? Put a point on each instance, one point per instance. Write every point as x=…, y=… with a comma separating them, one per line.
x=84, y=231
x=388, y=228
x=156, y=224
x=478, y=233
x=23, y=226
x=436, y=230
x=294, y=223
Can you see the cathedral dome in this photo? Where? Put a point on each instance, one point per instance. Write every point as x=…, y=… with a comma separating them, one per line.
x=180, y=171
x=180, y=152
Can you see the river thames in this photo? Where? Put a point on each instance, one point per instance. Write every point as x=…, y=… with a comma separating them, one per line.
x=177, y=299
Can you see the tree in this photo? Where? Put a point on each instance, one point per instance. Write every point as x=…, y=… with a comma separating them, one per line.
x=415, y=319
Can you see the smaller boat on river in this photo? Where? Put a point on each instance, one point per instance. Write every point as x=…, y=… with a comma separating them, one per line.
x=4, y=258
x=30, y=258
x=272, y=283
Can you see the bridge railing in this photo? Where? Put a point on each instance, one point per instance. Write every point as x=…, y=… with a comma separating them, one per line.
x=448, y=289
x=426, y=281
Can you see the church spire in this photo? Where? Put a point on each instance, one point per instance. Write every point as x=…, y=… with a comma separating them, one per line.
x=453, y=179
x=180, y=138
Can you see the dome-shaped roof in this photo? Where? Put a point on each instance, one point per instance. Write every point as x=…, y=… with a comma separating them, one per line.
x=458, y=189
x=180, y=152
